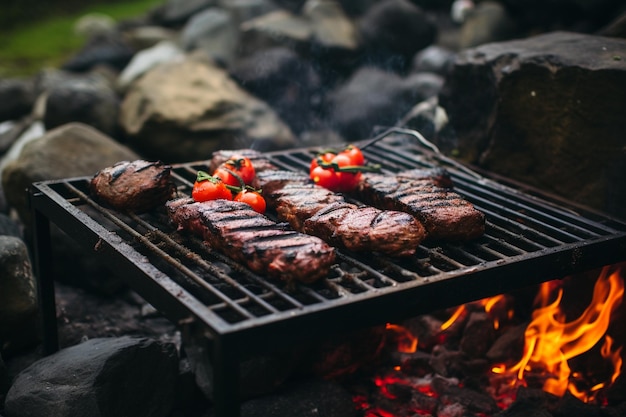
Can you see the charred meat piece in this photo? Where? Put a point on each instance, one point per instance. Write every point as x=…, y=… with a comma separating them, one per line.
x=439, y=176
x=135, y=186
x=294, y=203
x=273, y=180
x=318, y=211
x=259, y=161
x=444, y=213
x=365, y=228
x=266, y=247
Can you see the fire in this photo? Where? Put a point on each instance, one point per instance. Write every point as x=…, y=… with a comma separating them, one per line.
x=550, y=340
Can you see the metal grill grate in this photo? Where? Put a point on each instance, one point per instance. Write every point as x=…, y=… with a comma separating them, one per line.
x=528, y=240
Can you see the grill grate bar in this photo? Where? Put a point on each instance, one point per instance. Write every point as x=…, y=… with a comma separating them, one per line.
x=226, y=301
x=212, y=269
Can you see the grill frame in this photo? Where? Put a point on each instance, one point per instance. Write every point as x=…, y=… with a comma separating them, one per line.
x=66, y=203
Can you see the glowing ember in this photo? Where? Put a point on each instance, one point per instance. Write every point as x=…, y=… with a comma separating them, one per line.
x=550, y=341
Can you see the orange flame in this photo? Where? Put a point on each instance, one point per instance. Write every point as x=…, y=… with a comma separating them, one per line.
x=550, y=341
x=407, y=342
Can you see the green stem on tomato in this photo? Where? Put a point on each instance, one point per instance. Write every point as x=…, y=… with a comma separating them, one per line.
x=348, y=168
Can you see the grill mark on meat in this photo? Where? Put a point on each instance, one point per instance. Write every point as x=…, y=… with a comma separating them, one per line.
x=136, y=186
x=444, y=213
x=264, y=246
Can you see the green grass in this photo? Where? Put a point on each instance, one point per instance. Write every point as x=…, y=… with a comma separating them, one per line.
x=48, y=42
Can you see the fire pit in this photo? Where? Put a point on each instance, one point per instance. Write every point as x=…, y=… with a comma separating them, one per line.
x=529, y=239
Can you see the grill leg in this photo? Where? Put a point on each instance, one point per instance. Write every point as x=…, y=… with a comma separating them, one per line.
x=225, y=362
x=45, y=282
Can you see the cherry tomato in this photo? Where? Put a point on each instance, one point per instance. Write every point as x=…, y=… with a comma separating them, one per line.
x=326, y=178
x=325, y=157
x=253, y=199
x=239, y=166
x=210, y=188
x=355, y=154
x=227, y=176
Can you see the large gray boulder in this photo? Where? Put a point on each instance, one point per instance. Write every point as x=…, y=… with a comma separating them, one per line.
x=185, y=110
x=544, y=111
x=104, y=377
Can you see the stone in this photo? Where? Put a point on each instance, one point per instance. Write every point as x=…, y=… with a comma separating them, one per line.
x=103, y=49
x=102, y=377
x=488, y=22
x=87, y=99
x=213, y=31
x=175, y=13
x=331, y=27
x=285, y=81
x=542, y=111
x=146, y=59
x=185, y=110
x=273, y=29
x=357, y=107
x=18, y=299
x=393, y=31
x=436, y=59
x=17, y=97
x=304, y=399
x=71, y=150
x=9, y=227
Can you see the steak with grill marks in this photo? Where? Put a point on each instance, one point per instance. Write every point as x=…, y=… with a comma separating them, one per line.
x=135, y=186
x=264, y=246
x=298, y=201
x=366, y=229
x=444, y=213
x=439, y=176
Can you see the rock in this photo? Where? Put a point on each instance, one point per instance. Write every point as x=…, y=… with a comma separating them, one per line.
x=393, y=31
x=356, y=107
x=18, y=299
x=543, y=111
x=488, y=22
x=103, y=49
x=212, y=31
x=9, y=227
x=101, y=377
x=146, y=36
x=435, y=59
x=146, y=59
x=331, y=27
x=183, y=111
x=285, y=81
x=67, y=151
x=273, y=29
x=87, y=99
x=304, y=399
x=5, y=380
x=17, y=97
x=175, y=13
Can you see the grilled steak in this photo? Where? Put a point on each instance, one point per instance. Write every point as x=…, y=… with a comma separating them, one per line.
x=444, y=213
x=273, y=180
x=297, y=202
x=266, y=247
x=136, y=186
x=439, y=176
x=366, y=229
x=318, y=211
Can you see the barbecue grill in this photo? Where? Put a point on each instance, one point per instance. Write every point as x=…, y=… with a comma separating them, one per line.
x=530, y=238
